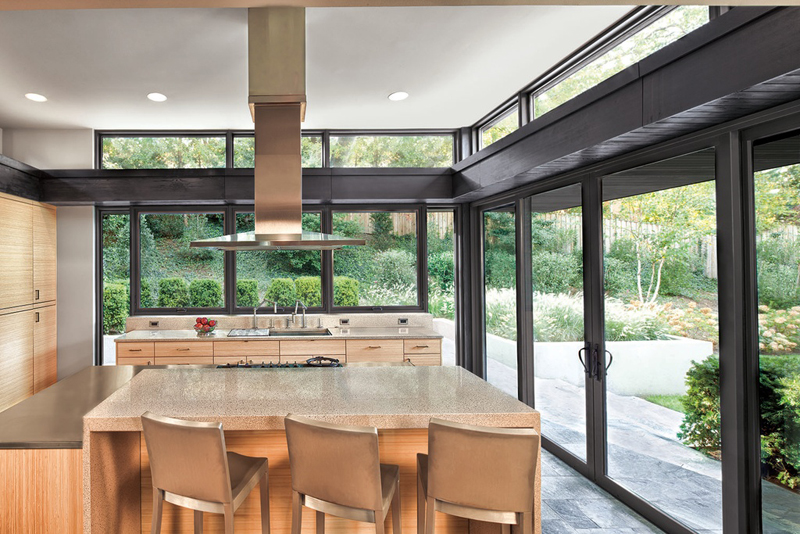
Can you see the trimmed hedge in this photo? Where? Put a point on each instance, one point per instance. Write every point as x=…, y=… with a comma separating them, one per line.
x=247, y=293
x=205, y=294
x=309, y=290
x=282, y=291
x=146, y=294
x=115, y=307
x=345, y=291
x=173, y=293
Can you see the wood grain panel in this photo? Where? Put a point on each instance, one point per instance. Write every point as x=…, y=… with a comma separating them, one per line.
x=422, y=346
x=114, y=482
x=374, y=350
x=45, y=348
x=137, y=350
x=44, y=253
x=16, y=252
x=247, y=348
x=397, y=447
x=184, y=360
x=144, y=360
x=312, y=346
x=424, y=359
x=16, y=358
x=42, y=491
x=187, y=348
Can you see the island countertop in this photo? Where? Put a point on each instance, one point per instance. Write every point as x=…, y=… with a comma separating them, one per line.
x=253, y=399
x=360, y=332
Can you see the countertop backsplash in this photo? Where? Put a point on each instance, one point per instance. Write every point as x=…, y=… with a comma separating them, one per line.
x=226, y=322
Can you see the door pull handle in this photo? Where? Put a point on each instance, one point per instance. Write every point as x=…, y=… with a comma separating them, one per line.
x=584, y=363
x=610, y=360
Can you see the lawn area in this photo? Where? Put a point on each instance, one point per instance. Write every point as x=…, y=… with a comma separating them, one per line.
x=673, y=402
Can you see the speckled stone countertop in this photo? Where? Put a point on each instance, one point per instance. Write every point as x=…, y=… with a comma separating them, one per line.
x=363, y=332
x=256, y=399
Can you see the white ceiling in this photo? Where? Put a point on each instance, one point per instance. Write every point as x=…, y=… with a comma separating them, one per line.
x=97, y=66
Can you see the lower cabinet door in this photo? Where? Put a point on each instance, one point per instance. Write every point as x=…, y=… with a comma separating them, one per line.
x=142, y=360
x=16, y=357
x=184, y=360
x=374, y=350
x=45, y=348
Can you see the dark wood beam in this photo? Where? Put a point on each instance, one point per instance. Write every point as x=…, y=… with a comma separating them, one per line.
x=19, y=179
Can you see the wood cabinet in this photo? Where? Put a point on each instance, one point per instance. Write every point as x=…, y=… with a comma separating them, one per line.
x=44, y=253
x=45, y=347
x=16, y=357
x=266, y=349
x=374, y=350
x=423, y=351
x=16, y=252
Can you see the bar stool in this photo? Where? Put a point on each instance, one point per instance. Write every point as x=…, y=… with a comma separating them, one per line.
x=480, y=473
x=191, y=468
x=336, y=470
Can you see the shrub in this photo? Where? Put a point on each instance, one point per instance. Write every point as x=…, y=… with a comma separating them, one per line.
x=205, y=294
x=777, y=285
x=778, y=330
x=619, y=277
x=146, y=299
x=247, y=293
x=501, y=270
x=701, y=424
x=394, y=268
x=442, y=270
x=115, y=307
x=379, y=295
x=282, y=291
x=173, y=293
x=442, y=303
x=554, y=272
x=309, y=290
x=345, y=291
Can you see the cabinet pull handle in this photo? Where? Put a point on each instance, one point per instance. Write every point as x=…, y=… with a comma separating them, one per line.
x=421, y=347
x=134, y=350
x=37, y=317
x=374, y=347
x=184, y=349
x=37, y=295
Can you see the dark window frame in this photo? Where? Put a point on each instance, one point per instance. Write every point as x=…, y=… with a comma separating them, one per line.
x=497, y=115
x=412, y=132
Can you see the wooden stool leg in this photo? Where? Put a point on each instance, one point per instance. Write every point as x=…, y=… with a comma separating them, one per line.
x=430, y=517
x=505, y=528
x=297, y=513
x=198, y=522
x=527, y=523
x=379, y=520
x=320, y=522
x=264, y=503
x=396, y=526
x=228, y=513
x=158, y=506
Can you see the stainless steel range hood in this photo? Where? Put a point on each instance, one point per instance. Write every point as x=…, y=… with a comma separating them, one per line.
x=276, y=58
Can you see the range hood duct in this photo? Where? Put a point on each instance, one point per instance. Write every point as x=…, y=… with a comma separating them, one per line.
x=276, y=57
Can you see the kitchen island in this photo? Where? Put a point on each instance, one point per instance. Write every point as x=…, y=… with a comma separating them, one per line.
x=251, y=404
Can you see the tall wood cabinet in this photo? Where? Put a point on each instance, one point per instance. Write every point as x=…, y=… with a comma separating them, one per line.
x=28, y=330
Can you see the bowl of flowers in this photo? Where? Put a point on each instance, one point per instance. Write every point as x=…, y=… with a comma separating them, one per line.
x=205, y=326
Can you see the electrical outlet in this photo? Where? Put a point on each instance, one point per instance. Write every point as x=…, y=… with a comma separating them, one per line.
x=344, y=321
x=153, y=324
x=403, y=321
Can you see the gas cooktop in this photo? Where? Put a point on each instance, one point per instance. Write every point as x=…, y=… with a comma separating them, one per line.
x=319, y=361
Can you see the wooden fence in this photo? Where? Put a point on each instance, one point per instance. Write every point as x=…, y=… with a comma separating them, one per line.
x=404, y=223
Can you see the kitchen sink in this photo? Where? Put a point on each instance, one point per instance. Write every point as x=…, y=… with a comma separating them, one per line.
x=249, y=332
x=278, y=332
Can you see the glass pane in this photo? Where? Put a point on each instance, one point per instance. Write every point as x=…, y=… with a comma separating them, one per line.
x=509, y=123
x=558, y=330
x=244, y=151
x=163, y=152
x=384, y=271
x=654, y=37
x=282, y=276
x=661, y=326
x=392, y=151
x=441, y=280
x=116, y=233
x=777, y=199
x=173, y=275
x=500, y=278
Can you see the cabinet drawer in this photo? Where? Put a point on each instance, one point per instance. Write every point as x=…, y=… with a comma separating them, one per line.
x=224, y=360
x=183, y=360
x=136, y=361
x=374, y=350
x=422, y=346
x=314, y=347
x=135, y=350
x=424, y=359
x=249, y=348
x=184, y=348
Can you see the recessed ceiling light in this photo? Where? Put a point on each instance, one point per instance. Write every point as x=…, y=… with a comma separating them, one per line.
x=156, y=97
x=36, y=97
x=398, y=96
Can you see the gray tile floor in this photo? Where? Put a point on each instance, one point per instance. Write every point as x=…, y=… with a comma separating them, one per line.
x=570, y=503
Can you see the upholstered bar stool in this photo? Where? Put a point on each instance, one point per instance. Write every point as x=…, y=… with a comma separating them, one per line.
x=191, y=468
x=480, y=473
x=336, y=470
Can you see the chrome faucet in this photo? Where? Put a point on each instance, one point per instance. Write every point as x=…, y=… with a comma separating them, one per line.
x=296, y=305
x=255, y=310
